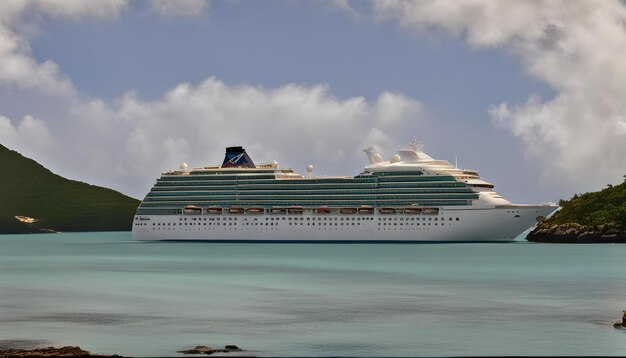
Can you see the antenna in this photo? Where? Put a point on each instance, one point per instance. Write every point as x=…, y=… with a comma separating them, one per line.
x=416, y=145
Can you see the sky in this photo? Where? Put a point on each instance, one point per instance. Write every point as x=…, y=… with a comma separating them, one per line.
x=112, y=92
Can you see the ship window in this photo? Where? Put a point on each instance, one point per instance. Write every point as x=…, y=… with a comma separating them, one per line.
x=457, y=219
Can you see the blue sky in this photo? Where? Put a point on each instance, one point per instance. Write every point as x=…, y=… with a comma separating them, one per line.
x=270, y=43
x=465, y=91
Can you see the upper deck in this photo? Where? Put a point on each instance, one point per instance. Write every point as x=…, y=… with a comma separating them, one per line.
x=402, y=181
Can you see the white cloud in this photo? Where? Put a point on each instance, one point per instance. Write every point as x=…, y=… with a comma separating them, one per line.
x=577, y=47
x=181, y=7
x=291, y=123
x=125, y=143
x=78, y=8
x=31, y=135
x=17, y=67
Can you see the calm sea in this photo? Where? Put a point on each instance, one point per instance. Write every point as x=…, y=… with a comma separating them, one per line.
x=109, y=294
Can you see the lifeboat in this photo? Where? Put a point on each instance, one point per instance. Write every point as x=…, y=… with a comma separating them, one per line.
x=214, y=210
x=386, y=211
x=365, y=209
x=255, y=210
x=347, y=211
x=278, y=210
x=431, y=211
x=295, y=210
x=192, y=210
x=323, y=210
x=413, y=210
x=235, y=210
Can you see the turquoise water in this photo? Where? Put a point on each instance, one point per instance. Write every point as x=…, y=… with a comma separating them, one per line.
x=109, y=294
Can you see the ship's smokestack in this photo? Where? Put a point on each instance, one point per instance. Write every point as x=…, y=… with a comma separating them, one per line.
x=373, y=157
x=236, y=157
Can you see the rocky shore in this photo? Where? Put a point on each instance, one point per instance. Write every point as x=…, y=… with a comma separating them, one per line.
x=75, y=352
x=208, y=350
x=52, y=352
x=575, y=234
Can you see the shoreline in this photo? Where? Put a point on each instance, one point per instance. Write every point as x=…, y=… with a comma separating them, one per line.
x=52, y=352
x=21, y=350
x=575, y=234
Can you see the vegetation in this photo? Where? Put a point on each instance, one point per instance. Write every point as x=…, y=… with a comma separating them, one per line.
x=58, y=204
x=601, y=210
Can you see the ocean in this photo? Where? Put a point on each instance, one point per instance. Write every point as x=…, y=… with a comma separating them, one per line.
x=108, y=294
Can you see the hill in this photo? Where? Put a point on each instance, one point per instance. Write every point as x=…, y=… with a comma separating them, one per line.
x=57, y=204
x=591, y=217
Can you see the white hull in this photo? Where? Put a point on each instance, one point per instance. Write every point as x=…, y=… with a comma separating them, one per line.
x=474, y=224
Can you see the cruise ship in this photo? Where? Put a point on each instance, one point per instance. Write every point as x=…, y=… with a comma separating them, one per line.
x=410, y=197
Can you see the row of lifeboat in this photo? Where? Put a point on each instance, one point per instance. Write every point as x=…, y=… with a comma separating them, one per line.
x=196, y=210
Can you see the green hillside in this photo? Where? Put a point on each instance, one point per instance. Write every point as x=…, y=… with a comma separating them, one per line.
x=595, y=210
x=29, y=189
x=597, y=217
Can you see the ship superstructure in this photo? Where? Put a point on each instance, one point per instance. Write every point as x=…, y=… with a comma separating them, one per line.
x=410, y=197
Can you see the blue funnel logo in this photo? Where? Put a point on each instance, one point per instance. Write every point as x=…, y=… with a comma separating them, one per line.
x=236, y=157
